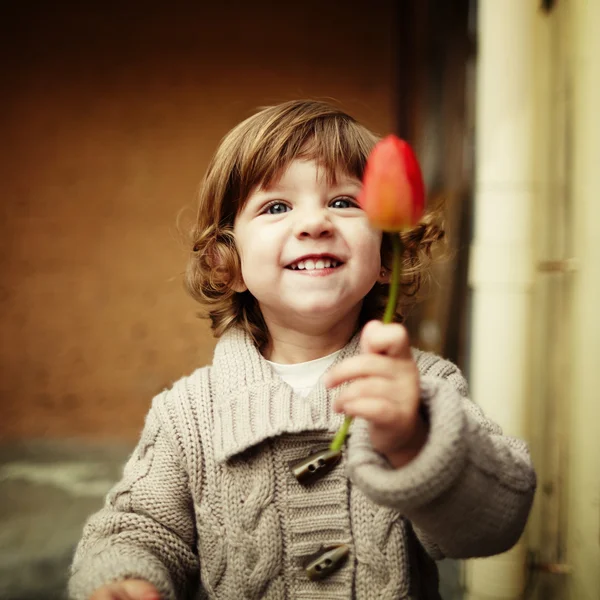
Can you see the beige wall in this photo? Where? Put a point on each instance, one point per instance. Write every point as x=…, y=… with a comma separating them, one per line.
x=108, y=118
x=564, y=531
x=583, y=545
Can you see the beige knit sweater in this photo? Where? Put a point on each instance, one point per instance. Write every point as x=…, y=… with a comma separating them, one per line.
x=208, y=506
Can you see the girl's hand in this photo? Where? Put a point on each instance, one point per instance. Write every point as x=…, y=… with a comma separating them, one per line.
x=130, y=589
x=384, y=390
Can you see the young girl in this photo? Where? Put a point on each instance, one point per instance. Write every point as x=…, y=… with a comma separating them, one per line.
x=232, y=492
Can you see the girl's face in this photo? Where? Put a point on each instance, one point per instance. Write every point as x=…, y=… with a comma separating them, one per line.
x=308, y=252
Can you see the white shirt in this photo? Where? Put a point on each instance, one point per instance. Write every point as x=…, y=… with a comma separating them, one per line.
x=302, y=377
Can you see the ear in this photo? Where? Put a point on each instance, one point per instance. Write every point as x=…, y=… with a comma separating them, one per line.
x=384, y=276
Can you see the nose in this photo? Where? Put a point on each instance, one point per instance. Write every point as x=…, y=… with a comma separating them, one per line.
x=313, y=224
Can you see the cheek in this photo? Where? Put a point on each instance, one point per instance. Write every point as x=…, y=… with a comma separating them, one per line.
x=369, y=247
x=259, y=252
x=246, y=254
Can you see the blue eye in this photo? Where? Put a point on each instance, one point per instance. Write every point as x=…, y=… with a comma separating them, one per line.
x=276, y=208
x=343, y=202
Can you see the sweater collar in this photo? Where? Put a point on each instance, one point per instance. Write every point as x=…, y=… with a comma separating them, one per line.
x=251, y=403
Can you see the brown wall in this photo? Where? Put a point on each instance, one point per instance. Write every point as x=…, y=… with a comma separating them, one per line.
x=108, y=117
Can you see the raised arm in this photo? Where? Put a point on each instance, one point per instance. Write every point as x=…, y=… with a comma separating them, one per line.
x=469, y=490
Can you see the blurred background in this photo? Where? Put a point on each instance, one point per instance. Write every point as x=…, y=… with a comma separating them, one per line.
x=109, y=113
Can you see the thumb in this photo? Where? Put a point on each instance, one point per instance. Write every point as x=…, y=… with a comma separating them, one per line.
x=138, y=589
x=390, y=339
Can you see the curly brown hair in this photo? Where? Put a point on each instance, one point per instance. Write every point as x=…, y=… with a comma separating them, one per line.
x=254, y=153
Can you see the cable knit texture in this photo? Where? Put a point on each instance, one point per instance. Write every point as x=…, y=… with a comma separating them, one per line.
x=209, y=508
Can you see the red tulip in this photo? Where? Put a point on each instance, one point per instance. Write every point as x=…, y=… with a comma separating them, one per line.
x=393, y=194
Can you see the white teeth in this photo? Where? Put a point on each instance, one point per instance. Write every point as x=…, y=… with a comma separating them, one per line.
x=310, y=264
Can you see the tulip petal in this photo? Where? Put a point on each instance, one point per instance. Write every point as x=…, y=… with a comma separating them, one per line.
x=393, y=194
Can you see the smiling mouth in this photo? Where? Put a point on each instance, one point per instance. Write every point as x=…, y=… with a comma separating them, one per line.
x=316, y=264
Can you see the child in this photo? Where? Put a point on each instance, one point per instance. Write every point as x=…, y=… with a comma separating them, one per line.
x=231, y=492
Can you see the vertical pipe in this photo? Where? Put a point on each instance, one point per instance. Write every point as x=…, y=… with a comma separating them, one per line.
x=583, y=545
x=501, y=268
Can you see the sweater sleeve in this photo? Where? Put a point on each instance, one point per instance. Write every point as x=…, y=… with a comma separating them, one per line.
x=146, y=529
x=469, y=491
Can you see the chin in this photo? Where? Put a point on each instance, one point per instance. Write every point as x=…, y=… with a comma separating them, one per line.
x=319, y=310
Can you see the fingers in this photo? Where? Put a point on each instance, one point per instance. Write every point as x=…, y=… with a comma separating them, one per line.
x=390, y=339
x=369, y=387
x=109, y=592
x=383, y=390
x=368, y=365
x=383, y=346
x=140, y=590
x=379, y=412
x=130, y=589
x=395, y=397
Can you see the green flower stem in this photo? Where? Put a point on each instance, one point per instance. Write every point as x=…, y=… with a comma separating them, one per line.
x=388, y=317
x=390, y=309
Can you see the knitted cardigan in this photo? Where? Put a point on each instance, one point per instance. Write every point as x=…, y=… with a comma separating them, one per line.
x=209, y=508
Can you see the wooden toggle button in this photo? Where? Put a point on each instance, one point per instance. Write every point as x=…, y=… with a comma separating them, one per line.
x=316, y=465
x=332, y=558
